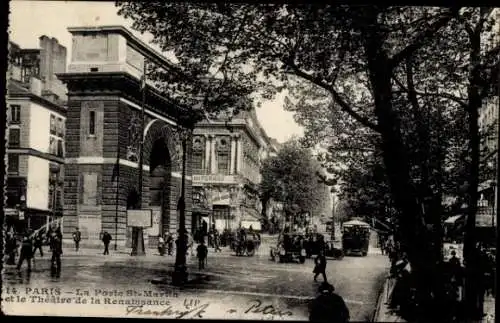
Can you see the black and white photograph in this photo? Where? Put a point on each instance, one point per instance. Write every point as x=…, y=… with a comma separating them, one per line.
x=251, y=161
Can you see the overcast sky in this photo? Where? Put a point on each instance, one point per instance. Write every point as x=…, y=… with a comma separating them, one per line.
x=31, y=19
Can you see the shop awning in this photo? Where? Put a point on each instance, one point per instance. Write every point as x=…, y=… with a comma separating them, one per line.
x=486, y=220
x=453, y=219
x=355, y=223
x=255, y=225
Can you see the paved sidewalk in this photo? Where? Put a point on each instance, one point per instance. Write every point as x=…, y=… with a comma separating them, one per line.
x=384, y=314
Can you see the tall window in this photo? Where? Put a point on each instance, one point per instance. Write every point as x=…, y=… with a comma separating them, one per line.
x=60, y=148
x=14, y=137
x=223, y=151
x=198, y=154
x=15, y=114
x=92, y=123
x=223, y=162
x=53, y=125
x=53, y=145
x=197, y=161
x=13, y=167
x=60, y=127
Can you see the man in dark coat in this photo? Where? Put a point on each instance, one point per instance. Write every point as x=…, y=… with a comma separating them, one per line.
x=26, y=252
x=77, y=236
x=170, y=243
x=217, y=241
x=202, y=252
x=320, y=266
x=56, y=248
x=328, y=306
x=106, y=239
x=11, y=248
x=38, y=241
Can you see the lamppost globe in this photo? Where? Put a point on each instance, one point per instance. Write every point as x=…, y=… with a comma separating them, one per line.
x=54, y=168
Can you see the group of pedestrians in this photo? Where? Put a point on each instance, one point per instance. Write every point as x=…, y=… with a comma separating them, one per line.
x=32, y=242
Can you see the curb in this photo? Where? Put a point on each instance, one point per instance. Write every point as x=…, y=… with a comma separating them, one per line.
x=380, y=300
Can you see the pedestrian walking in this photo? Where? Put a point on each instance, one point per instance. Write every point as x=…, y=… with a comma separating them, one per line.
x=202, y=252
x=328, y=306
x=11, y=247
x=56, y=248
x=38, y=242
x=26, y=252
x=161, y=245
x=217, y=241
x=106, y=239
x=320, y=266
x=77, y=236
x=170, y=243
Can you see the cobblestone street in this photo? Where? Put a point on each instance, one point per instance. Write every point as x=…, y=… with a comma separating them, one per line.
x=232, y=282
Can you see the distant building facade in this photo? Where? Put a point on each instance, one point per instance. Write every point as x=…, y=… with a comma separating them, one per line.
x=36, y=117
x=489, y=126
x=226, y=163
x=104, y=139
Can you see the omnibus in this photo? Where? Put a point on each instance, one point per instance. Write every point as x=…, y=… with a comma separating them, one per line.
x=355, y=237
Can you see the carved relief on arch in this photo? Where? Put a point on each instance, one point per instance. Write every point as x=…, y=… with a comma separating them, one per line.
x=223, y=143
x=133, y=136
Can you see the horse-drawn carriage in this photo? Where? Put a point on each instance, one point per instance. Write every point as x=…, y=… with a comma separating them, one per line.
x=246, y=244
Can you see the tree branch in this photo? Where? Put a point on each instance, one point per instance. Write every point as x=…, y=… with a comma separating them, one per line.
x=336, y=96
x=412, y=92
x=420, y=39
x=427, y=94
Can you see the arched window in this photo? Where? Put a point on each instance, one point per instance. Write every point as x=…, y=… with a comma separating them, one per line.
x=223, y=155
x=198, y=155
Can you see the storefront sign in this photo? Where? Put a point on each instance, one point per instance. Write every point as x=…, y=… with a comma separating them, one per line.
x=214, y=179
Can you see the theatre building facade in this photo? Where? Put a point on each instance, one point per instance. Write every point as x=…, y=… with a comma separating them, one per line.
x=226, y=161
x=103, y=140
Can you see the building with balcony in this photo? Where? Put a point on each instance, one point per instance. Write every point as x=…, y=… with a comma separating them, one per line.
x=226, y=161
x=36, y=117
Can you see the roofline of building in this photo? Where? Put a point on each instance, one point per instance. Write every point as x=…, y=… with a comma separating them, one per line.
x=141, y=46
x=26, y=94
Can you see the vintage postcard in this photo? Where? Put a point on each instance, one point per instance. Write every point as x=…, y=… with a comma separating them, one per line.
x=213, y=160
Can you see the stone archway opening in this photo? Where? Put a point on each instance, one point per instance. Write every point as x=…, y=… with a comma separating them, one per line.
x=160, y=168
x=132, y=199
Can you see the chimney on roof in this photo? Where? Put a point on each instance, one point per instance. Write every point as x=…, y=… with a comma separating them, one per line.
x=52, y=61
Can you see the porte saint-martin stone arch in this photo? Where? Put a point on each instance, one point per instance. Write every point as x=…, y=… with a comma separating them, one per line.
x=162, y=156
x=103, y=132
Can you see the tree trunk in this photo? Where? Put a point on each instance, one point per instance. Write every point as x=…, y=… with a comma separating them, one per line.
x=472, y=306
x=414, y=238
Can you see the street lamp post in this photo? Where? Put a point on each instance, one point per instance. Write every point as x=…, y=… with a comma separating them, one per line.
x=137, y=232
x=180, y=273
x=22, y=207
x=54, y=172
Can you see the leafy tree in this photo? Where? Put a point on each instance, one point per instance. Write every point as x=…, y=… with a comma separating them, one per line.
x=290, y=177
x=357, y=55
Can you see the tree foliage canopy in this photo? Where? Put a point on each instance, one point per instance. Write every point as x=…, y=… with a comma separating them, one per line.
x=402, y=78
x=290, y=177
